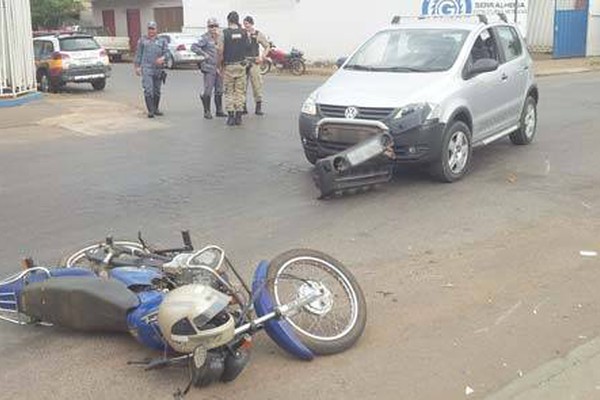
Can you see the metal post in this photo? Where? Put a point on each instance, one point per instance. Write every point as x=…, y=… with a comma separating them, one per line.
x=516, y=10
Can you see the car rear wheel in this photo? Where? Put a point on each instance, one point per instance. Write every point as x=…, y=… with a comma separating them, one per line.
x=528, y=128
x=169, y=62
x=455, y=158
x=99, y=84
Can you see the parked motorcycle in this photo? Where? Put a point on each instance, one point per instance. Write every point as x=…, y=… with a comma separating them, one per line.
x=292, y=61
x=193, y=305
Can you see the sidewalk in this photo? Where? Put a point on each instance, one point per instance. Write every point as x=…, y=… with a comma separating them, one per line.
x=575, y=376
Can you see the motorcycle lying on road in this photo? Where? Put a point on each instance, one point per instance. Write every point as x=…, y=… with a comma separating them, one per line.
x=193, y=306
x=292, y=61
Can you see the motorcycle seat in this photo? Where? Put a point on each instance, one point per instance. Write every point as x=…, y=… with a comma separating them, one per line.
x=79, y=303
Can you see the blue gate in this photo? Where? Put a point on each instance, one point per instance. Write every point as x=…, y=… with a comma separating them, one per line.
x=570, y=28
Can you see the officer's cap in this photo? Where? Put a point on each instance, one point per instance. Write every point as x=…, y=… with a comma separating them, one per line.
x=212, y=21
x=152, y=25
x=249, y=20
x=233, y=17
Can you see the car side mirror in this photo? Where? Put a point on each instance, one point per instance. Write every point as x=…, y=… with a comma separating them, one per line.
x=340, y=61
x=482, y=66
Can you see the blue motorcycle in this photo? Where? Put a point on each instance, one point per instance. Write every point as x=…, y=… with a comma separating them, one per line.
x=193, y=305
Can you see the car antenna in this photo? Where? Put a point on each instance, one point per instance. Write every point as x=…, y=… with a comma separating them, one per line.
x=396, y=20
x=503, y=17
x=482, y=18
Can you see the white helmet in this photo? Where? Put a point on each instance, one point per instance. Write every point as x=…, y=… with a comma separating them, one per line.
x=191, y=316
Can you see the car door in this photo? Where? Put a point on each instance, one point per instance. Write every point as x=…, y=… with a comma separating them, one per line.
x=483, y=92
x=515, y=69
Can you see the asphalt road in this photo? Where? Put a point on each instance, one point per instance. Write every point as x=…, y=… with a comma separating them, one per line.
x=469, y=284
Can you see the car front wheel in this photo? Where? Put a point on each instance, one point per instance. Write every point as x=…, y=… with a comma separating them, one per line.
x=99, y=84
x=455, y=157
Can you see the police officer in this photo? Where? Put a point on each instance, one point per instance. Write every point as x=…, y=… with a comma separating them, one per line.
x=149, y=61
x=255, y=40
x=233, y=55
x=213, y=81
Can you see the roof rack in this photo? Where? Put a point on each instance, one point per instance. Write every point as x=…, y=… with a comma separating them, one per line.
x=482, y=18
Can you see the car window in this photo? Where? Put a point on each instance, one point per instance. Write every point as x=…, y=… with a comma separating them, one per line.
x=484, y=47
x=510, y=42
x=37, y=48
x=47, y=48
x=78, y=44
x=410, y=50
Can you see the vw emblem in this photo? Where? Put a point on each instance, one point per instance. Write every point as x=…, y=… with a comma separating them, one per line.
x=351, y=112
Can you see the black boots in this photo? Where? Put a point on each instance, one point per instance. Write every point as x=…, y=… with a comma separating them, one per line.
x=234, y=118
x=156, y=103
x=230, y=118
x=206, y=104
x=219, y=105
x=258, y=110
x=150, y=105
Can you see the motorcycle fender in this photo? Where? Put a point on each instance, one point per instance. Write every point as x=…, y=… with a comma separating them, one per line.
x=279, y=330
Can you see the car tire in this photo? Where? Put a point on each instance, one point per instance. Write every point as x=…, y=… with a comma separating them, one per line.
x=528, y=123
x=169, y=62
x=455, y=156
x=44, y=81
x=311, y=156
x=99, y=84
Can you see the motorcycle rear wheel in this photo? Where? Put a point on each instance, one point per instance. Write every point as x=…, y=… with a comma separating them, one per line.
x=79, y=259
x=298, y=67
x=334, y=322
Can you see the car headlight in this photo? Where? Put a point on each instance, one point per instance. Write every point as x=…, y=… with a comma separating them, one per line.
x=310, y=106
x=423, y=111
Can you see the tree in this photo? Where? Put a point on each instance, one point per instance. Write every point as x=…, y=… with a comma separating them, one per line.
x=54, y=13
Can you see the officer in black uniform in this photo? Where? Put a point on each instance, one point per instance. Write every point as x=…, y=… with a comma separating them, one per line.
x=233, y=50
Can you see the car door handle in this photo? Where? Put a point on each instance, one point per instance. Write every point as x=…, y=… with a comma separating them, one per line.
x=526, y=68
x=504, y=77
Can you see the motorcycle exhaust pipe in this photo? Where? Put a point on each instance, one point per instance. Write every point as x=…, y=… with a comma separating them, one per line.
x=365, y=164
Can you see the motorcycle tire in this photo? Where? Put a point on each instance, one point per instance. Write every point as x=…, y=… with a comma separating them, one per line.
x=343, y=309
x=78, y=258
x=298, y=67
x=265, y=67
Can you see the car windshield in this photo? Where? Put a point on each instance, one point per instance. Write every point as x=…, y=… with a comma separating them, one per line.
x=78, y=44
x=409, y=50
x=184, y=39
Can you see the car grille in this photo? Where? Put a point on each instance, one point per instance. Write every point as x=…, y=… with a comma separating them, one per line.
x=370, y=113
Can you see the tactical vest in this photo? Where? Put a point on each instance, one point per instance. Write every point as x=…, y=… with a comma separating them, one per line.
x=234, y=45
x=253, y=47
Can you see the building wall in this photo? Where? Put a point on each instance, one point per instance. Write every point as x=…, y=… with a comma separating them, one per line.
x=593, y=40
x=540, y=35
x=327, y=29
x=120, y=6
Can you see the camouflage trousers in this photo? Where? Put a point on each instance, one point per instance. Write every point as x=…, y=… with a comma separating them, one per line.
x=235, y=87
x=255, y=80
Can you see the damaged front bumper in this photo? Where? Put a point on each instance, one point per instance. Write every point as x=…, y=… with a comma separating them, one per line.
x=365, y=164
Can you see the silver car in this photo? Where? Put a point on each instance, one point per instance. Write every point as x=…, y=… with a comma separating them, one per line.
x=438, y=87
x=180, y=45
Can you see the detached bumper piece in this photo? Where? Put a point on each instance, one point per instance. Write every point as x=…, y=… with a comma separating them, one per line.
x=363, y=165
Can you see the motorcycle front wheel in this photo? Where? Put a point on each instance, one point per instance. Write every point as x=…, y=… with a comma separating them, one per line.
x=333, y=322
x=265, y=67
x=298, y=67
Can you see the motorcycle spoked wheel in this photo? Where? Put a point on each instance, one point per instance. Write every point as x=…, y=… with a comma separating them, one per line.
x=78, y=259
x=265, y=67
x=330, y=324
x=298, y=67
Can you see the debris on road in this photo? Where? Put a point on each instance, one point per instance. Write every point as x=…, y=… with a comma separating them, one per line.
x=469, y=390
x=588, y=253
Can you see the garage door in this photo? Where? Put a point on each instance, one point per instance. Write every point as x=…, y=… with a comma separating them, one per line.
x=169, y=19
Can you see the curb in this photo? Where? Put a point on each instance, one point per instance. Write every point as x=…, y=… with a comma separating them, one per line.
x=13, y=102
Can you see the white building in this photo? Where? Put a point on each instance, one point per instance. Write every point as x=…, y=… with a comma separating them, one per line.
x=330, y=28
x=17, y=68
